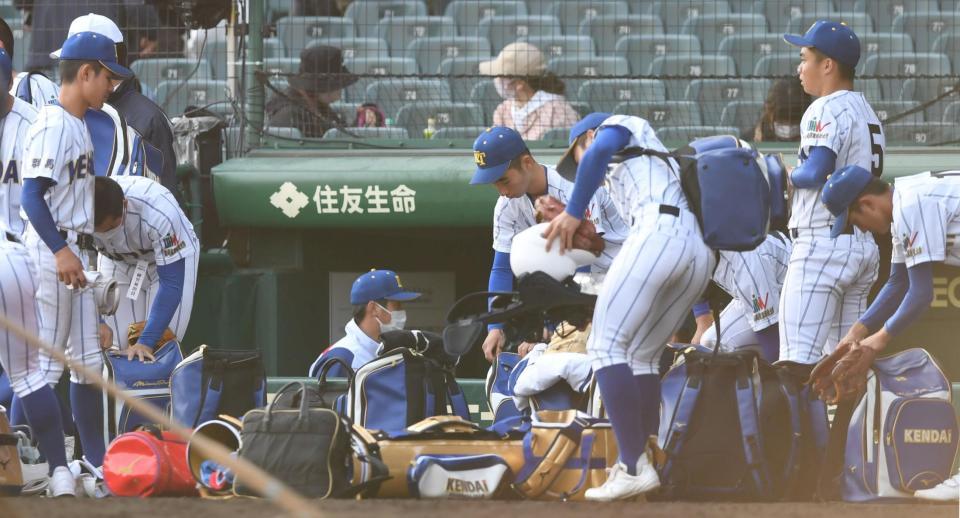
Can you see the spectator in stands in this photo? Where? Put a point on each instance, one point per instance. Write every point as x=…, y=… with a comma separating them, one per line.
x=782, y=111
x=533, y=100
x=305, y=104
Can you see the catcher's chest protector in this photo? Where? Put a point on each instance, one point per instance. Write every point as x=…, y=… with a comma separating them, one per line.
x=903, y=433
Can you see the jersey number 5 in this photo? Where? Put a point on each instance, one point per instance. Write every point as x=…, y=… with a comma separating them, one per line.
x=876, y=167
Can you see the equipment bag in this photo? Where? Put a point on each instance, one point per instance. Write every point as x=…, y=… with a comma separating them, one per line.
x=146, y=380
x=11, y=474
x=148, y=462
x=468, y=476
x=212, y=477
x=903, y=433
x=211, y=382
x=499, y=395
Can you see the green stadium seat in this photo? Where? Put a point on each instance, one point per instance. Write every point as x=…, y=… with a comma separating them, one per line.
x=871, y=89
x=282, y=132
x=369, y=68
x=296, y=31
x=607, y=31
x=366, y=14
x=675, y=13
x=922, y=134
x=677, y=71
x=215, y=52
x=641, y=50
x=571, y=14
x=663, y=113
x=885, y=11
x=281, y=67
x=361, y=133
x=861, y=23
x=466, y=75
x=713, y=28
x=503, y=30
x=777, y=64
x=643, y=6
x=583, y=109
x=557, y=135
x=485, y=95
x=743, y=115
x=400, y=31
x=22, y=47
x=459, y=132
x=277, y=9
x=713, y=94
x=354, y=48
x=844, y=6
x=391, y=94
x=925, y=89
x=605, y=94
x=949, y=44
x=175, y=96
x=951, y=113
x=884, y=43
x=781, y=12
x=586, y=68
x=468, y=13
x=347, y=111
x=564, y=46
x=903, y=65
x=747, y=49
x=886, y=109
x=430, y=51
x=153, y=71
x=414, y=116
x=680, y=134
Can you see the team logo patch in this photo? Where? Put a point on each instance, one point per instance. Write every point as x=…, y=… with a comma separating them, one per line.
x=816, y=129
x=908, y=245
x=480, y=158
x=760, y=309
x=172, y=244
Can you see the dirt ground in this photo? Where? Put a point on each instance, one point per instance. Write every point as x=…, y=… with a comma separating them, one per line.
x=241, y=508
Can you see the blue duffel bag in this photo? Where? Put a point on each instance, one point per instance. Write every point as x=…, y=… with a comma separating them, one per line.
x=211, y=382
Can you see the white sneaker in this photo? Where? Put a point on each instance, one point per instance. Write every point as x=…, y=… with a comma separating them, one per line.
x=946, y=491
x=621, y=485
x=62, y=483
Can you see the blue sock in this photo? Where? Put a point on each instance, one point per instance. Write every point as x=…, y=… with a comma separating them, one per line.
x=6, y=393
x=87, y=403
x=620, y=394
x=43, y=413
x=16, y=415
x=649, y=402
x=769, y=339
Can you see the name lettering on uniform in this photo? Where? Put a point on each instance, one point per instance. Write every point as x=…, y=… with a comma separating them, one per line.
x=10, y=173
x=80, y=168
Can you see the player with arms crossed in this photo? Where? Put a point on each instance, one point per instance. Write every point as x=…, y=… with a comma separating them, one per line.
x=829, y=277
x=661, y=270
x=57, y=198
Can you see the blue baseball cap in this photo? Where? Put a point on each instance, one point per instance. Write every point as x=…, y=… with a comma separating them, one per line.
x=567, y=167
x=834, y=39
x=379, y=285
x=841, y=190
x=90, y=46
x=492, y=152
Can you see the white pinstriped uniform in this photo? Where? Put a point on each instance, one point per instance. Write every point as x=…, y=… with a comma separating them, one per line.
x=156, y=231
x=926, y=219
x=754, y=280
x=662, y=267
x=43, y=91
x=513, y=215
x=59, y=147
x=17, y=274
x=828, y=280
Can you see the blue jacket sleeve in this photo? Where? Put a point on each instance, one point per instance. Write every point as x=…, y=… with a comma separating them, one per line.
x=501, y=278
x=918, y=298
x=812, y=174
x=889, y=298
x=336, y=371
x=31, y=199
x=165, y=303
x=593, y=167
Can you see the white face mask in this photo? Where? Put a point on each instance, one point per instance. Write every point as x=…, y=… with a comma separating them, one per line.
x=114, y=232
x=786, y=131
x=503, y=86
x=398, y=319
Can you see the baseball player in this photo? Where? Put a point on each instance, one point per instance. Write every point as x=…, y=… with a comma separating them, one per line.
x=502, y=159
x=661, y=270
x=829, y=277
x=17, y=293
x=147, y=244
x=58, y=198
x=33, y=87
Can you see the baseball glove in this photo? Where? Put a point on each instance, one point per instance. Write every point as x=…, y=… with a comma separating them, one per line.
x=136, y=329
x=586, y=238
x=842, y=376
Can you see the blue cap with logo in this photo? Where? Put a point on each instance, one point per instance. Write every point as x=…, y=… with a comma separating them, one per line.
x=379, y=285
x=841, y=190
x=90, y=46
x=834, y=39
x=492, y=152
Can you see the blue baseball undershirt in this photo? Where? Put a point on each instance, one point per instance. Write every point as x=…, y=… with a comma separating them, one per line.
x=889, y=298
x=813, y=172
x=916, y=301
x=593, y=167
x=31, y=199
x=165, y=302
x=501, y=278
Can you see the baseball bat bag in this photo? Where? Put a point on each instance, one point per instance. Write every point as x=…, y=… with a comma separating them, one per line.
x=902, y=435
x=148, y=462
x=211, y=382
x=499, y=394
x=11, y=474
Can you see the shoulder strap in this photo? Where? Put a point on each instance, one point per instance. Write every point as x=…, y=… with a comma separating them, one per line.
x=23, y=88
x=680, y=424
x=791, y=393
x=750, y=428
x=538, y=473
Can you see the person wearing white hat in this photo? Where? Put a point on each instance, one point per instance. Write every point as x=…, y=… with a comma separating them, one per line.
x=533, y=101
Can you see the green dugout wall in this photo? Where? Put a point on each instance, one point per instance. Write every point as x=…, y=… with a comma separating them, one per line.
x=294, y=216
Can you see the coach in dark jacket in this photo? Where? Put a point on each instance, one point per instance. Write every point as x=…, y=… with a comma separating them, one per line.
x=305, y=103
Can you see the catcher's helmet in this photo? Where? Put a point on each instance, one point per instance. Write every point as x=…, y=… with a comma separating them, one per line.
x=528, y=254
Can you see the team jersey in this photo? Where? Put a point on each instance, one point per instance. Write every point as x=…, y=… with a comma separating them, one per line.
x=513, y=215
x=38, y=91
x=643, y=180
x=154, y=228
x=755, y=278
x=926, y=218
x=13, y=136
x=846, y=124
x=59, y=147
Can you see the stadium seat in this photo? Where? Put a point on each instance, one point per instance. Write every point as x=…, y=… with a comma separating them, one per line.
x=296, y=31
x=871, y=89
x=354, y=48
x=713, y=28
x=215, y=52
x=413, y=116
x=777, y=64
x=922, y=134
x=713, y=94
x=395, y=67
x=884, y=43
x=281, y=67
x=601, y=67
x=503, y=30
x=366, y=14
x=605, y=94
x=347, y=111
x=485, y=95
x=902, y=65
x=571, y=14
x=277, y=9
x=282, y=132
x=678, y=70
x=391, y=94
x=861, y=23
x=468, y=13
x=557, y=135
x=641, y=50
x=280, y=83
x=582, y=108
x=355, y=133
x=564, y=46
x=886, y=109
x=430, y=51
x=674, y=13
x=459, y=132
x=885, y=11
x=743, y=115
x=153, y=71
x=747, y=49
x=465, y=75
x=175, y=96
x=779, y=12
x=949, y=44
x=21, y=48
x=951, y=113
x=606, y=31
x=684, y=134
x=926, y=89
x=400, y=31
x=663, y=113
